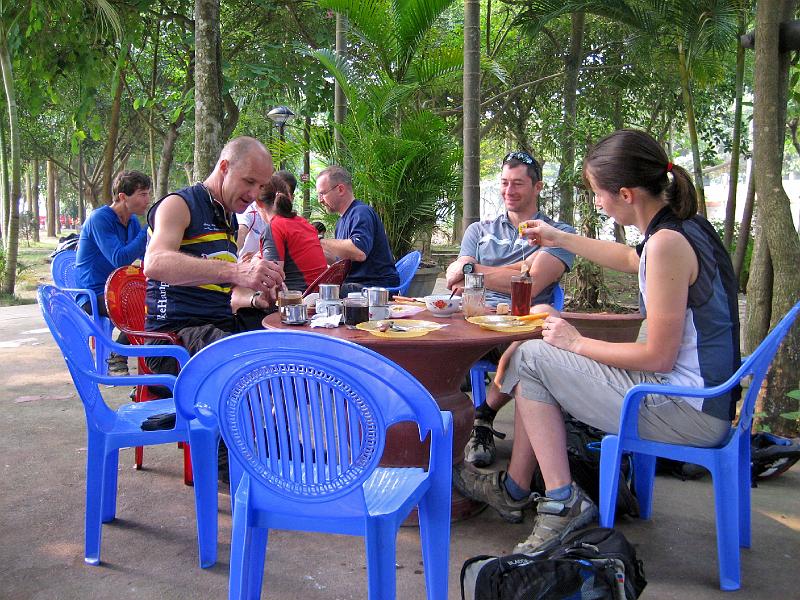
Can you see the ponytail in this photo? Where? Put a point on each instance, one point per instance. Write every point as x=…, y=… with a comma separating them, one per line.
x=681, y=194
x=283, y=206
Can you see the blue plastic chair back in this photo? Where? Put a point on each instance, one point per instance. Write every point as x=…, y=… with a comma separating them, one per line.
x=729, y=463
x=108, y=429
x=62, y=269
x=478, y=371
x=304, y=417
x=406, y=269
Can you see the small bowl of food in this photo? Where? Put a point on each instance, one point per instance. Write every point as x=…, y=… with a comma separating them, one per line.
x=442, y=305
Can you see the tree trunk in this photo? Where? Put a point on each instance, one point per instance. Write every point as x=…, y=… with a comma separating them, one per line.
x=151, y=133
x=307, y=167
x=471, y=131
x=5, y=191
x=566, y=174
x=744, y=229
x=165, y=163
x=113, y=131
x=12, y=240
x=35, y=205
x=736, y=142
x=81, y=188
x=688, y=104
x=51, y=198
x=208, y=106
x=771, y=77
x=56, y=197
x=339, y=100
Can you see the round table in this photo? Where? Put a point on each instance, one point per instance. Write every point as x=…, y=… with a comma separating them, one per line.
x=440, y=361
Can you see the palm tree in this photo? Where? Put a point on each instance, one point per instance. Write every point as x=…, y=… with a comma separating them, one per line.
x=402, y=156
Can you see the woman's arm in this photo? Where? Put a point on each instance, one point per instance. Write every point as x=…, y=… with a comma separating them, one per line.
x=608, y=254
x=671, y=268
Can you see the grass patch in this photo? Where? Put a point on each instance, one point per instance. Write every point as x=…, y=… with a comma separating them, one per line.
x=33, y=269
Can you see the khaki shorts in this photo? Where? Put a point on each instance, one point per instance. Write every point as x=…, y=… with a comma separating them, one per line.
x=593, y=393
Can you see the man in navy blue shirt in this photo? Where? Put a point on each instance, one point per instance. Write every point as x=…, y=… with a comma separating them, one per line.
x=111, y=238
x=360, y=235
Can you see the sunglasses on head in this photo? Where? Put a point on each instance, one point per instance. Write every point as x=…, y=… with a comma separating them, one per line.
x=524, y=158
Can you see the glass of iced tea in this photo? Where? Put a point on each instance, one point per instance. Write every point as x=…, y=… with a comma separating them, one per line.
x=521, y=290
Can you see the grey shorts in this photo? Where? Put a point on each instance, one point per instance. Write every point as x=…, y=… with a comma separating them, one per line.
x=593, y=393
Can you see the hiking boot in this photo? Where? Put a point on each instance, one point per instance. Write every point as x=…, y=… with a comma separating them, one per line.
x=480, y=450
x=489, y=488
x=117, y=364
x=556, y=519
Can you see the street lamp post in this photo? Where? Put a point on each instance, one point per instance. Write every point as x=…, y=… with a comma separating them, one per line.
x=280, y=115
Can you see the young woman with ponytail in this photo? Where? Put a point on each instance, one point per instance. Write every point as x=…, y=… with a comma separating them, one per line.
x=288, y=237
x=687, y=293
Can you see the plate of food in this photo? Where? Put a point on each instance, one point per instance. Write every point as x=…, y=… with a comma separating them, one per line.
x=510, y=323
x=409, y=328
x=399, y=311
x=408, y=301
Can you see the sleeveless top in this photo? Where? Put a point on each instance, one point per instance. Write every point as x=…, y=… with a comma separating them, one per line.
x=709, y=350
x=211, y=235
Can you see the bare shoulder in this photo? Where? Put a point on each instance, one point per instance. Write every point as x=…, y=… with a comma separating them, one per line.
x=172, y=211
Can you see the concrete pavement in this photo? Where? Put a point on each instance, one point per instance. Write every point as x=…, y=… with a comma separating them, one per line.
x=150, y=551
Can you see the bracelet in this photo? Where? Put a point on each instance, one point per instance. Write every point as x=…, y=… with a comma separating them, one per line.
x=253, y=299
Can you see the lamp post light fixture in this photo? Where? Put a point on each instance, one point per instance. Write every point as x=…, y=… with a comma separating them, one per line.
x=280, y=115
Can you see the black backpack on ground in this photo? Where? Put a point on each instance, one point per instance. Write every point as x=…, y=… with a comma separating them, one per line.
x=583, y=451
x=596, y=563
x=770, y=456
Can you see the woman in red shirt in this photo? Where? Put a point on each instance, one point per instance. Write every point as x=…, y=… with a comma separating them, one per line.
x=288, y=237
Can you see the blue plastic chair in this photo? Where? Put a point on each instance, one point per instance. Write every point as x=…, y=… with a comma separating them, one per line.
x=728, y=463
x=477, y=374
x=109, y=429
x=304, y=418
x=62, y=269
x=406, y=269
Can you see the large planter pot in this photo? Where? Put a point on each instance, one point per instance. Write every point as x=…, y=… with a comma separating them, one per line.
x=423, y=282
x=610, y=327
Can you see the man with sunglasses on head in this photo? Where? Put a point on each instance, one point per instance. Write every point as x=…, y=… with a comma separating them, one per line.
x=495, y=248
x=195, y=283
x=360, y=235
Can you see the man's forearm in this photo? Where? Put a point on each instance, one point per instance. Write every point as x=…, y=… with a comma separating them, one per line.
x=178, y=268
x=342, y=249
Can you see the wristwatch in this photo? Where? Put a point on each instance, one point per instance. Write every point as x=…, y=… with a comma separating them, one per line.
x=253, y=299
x=468, y=268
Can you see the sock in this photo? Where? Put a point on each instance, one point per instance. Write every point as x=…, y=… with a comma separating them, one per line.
x=562, y=493
x=485, y=413
x=514, y=490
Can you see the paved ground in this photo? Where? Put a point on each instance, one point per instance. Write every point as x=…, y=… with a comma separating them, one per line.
x=149, y=552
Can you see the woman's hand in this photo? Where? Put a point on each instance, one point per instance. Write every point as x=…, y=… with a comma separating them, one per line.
x=540, y=233
x=561, y=334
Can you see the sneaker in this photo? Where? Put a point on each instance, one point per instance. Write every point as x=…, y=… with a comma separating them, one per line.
x=556, y=519
x=117, y=364
x=480, y=450
x=489, y=488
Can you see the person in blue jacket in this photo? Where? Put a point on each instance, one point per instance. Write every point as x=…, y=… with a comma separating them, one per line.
x=111, y=238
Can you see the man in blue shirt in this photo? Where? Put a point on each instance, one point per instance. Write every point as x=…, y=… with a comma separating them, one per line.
x=111, y=238
x=496, y=249
x=360, y=235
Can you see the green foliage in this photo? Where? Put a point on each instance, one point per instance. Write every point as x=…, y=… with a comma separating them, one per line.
x=408, y=173
x=402, y=156
x=794, y=415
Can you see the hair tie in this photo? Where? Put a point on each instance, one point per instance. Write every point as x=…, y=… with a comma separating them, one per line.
x=669, y=167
